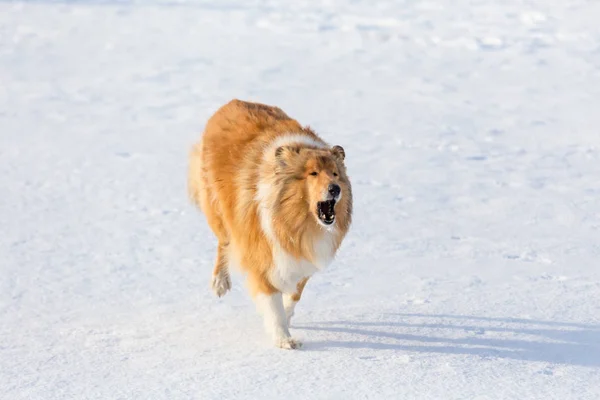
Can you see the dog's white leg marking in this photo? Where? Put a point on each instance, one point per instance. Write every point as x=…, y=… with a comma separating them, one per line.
x=289, y=305
x=271, y=307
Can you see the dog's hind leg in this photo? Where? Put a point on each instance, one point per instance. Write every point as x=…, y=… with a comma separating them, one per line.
x=221, y=282
x=290, y=300
x=201, y=193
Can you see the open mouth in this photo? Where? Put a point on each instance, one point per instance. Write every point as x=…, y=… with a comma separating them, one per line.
x=326, y=212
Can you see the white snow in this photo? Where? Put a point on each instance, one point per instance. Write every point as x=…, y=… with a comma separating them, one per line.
x=471, y=130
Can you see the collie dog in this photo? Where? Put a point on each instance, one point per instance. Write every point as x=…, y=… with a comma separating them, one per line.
x=279, y=201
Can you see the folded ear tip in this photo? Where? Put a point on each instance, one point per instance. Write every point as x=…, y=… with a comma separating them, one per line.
x=339, y=150
x=278, y=151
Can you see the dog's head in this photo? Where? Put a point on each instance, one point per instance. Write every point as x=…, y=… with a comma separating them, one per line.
x=317, y=178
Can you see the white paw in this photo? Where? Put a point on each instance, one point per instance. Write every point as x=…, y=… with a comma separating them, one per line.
x=221, y=284
x=288, y=343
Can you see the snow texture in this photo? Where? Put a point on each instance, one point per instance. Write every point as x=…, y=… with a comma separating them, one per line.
x=471, y=130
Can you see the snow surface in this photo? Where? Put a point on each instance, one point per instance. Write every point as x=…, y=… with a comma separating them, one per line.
x=472, y=136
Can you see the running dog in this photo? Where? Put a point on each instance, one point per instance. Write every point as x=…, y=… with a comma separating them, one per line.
x=279, y=201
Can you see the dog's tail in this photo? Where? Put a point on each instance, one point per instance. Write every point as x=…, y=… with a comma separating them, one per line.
x=195, y=174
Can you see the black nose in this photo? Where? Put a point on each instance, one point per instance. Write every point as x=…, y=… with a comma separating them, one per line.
x=334, y=190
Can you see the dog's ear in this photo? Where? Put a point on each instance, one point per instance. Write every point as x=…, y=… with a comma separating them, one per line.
x=338, y=152
x=285, y=154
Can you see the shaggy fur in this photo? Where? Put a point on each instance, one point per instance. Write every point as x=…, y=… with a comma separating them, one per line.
x=264, y=183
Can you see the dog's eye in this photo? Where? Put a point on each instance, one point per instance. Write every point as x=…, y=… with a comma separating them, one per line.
x=335, y=174
x=314, y=173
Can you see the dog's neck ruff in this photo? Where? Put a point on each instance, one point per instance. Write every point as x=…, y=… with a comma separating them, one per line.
x=323, y=247
x=293, y=138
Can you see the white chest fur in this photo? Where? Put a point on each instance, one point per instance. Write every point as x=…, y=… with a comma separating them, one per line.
x=288, y=270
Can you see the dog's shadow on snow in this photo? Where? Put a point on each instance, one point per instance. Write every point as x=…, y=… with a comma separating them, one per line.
x=488, y=338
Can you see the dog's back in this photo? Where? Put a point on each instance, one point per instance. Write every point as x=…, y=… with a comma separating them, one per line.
x=231, y=141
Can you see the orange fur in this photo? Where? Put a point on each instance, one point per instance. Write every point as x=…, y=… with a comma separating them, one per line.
x=259, y=198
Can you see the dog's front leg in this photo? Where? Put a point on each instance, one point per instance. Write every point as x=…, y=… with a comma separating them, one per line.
x=290, y=300
x=275, y=319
